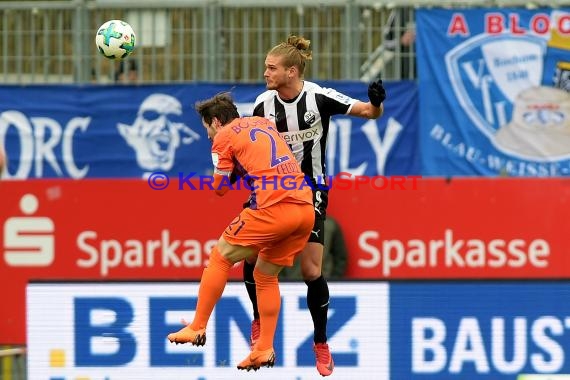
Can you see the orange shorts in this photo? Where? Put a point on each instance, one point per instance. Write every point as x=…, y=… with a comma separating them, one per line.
x=278, y=232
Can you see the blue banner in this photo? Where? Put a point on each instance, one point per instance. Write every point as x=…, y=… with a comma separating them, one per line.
x=131, y=131
x=474, y=330
x=494, y=91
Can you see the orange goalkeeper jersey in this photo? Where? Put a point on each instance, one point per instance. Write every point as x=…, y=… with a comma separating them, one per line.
x=252, y=147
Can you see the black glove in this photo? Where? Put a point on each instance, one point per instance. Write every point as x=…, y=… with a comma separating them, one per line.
x=376, y=93
x=247, y=203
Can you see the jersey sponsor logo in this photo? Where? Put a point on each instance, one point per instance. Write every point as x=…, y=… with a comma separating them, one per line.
x=293, y=137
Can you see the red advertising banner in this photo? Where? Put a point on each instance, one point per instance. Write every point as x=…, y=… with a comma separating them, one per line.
x=458, y=229
x=103, y=230
x=124, y=230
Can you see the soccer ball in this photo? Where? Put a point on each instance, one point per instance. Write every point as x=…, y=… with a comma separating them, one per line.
x=115, y=39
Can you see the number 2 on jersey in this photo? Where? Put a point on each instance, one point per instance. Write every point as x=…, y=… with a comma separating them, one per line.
x=274, y=159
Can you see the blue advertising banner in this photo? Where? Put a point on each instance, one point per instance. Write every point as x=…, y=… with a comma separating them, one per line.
x=118, y=331
x=494, y=91
x=132, y=131
x=478, y=330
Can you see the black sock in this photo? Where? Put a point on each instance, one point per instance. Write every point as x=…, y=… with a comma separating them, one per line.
x=318, y=303
x=249, y=282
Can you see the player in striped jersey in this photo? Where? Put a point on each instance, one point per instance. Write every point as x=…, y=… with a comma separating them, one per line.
x=302, y=111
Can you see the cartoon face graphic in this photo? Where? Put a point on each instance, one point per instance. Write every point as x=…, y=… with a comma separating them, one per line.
x=155, y=134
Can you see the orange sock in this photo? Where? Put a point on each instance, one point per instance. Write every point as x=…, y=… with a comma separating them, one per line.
x=212, y=284
x=269, y=304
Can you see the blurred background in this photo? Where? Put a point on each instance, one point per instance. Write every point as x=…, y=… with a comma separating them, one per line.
x=180, y=41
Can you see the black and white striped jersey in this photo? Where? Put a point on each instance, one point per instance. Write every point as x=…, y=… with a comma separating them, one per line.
x=304, y=122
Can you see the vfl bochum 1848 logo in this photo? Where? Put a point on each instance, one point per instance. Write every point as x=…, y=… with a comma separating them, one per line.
x=497, y=82
x=488, y=73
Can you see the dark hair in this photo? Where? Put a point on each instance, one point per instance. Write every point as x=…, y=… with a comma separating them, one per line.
x=131, y=65
x=220, y=106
